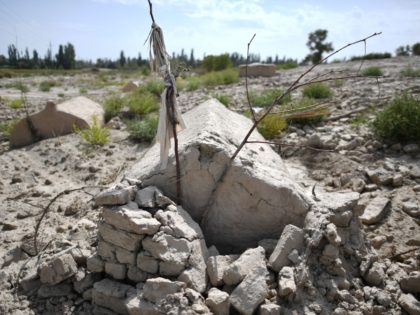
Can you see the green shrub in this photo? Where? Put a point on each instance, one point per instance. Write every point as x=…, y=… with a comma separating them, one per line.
x=95, y=134
x=16, y=103
x=143, y=130
x=83, y=90
x=112, y=106
x=399, y=120
x=317, y=91
x=373, y=72
x=45, y=86
x=18, y=86
x=359, y=120
x=155, y=87
x=224, y=99
x=224, y=77
x=410, y=72
x=142, y=102
x=267, y=97
x=288, y=65
x=7, y=127
x=193, y=83
x=271, y=126
x=217, y=63
x=372, y=56
x=60, y=94
x=416, y=49
x=305, y=111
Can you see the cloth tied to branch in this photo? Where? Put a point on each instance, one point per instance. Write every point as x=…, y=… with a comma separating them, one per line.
x=169, y=112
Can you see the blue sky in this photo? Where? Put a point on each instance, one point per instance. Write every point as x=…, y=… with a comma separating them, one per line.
x=102, y=28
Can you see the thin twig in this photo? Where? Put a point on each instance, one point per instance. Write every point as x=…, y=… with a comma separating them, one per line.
x=405, y=252
x=151, y=12
x=254, y=118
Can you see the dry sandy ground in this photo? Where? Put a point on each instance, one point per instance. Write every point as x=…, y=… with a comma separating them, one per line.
x=32, y=176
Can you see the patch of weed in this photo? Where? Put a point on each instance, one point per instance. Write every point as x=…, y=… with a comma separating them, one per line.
x=18, y=86
x=267, y=97
x=83, y=90
x=155, y=87
x=7, y=127
x=359, y=120
x=317, y=91
x=305, y=111
x=142, y=102
x=288, y=65
x=372, y=72
x=112, y=106
x=95, y=134
x=45, y=86
x=143, y=130
x=271, y=126
x=410, y=72
x=224, y=99
x=16, y=103
x=223, y=77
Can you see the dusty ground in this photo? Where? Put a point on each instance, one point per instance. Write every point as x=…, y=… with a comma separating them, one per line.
x=33, y=175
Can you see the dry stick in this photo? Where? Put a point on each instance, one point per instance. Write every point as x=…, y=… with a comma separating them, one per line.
x=254, y=118
x=151, y=11
x=293, y=87
x=45, y=210
x=405, y=252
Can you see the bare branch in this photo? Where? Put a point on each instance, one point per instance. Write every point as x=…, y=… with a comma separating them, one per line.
x=151, y=11
x=254, y=118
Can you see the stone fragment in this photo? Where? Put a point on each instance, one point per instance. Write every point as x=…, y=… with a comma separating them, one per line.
x=125, y=256
x=411, y=283
x=179, y=223
x=117, y=271
x=410, y=304
x=106, y=250
x=291, y=238
x=244, y=265
x=258, y=70
x=95, y=264
x=397, y=180
x=147, y=263
x=339, y=201
x=157, y=289
x=342, y=219
x=286, y=285
x=374, y=211
x=251, y=292
x=111, y=295
x=332, y=235
x=146, y=197
x=412, y=209
x=59, y=290
x=167, y=248
x=86, y=282
x=120, y=238
x=137, y=305
x=218, y=302
x=270, y=309
x=58, y=269
x=375, y=275
x=171, y=268
x=411, y=148
x=379, y=176
x=216, y=267
x=131, y=220
x=136, y=275
x=113, y=196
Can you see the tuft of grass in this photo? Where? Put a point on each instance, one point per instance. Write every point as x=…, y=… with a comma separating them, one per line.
x=18, y=86
x=142, y=102
x=193, y=83
x=223, y=77
x=155, y=87
x=267, y=97
x=317, y=91
x=399, y=120
x=306, y=111
x=112, y=106
x=45, y=86
x=410, y=72
x=373, y=72
x=16, y=103
x=271, y=126
x=288, y=65
x=338, y=83
x=224, y=99
x=95, y=134
x=7, y=127
x=143, y=130
x=83, y=90
x=60, y=94
x=359, y=120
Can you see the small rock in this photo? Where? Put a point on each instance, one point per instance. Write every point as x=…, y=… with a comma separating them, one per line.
x=216, y=267
x=218, y=302
x=146, y=197
x=119, y=238
x=157, y=289
x=270, y=309
x=58, y=269
x=411, y=209
x=411, y=283
x=287, y=285
x=397, y=180
x=374, y=210
x=375, y=275
x=411, y=148
x=378, y=241
x=416, y=188
x=136, y=275
x=111, y=295
x=410, y=304
x=147, y=263
x=117, y=271
x=114, y=196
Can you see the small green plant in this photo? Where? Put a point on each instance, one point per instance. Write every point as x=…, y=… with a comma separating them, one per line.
x=338, y=83
x=143, y=130
x=142, y=102
x=288, y=65
x=410, y=72
x=217, y=63
x=83, y=90
x=112, y=106
x=224, y=77
x=359, y=120
x=45, y=86
x=373, y=72
x=193, y=84
x=317, y=91
x=60, y=94
x=399, y=120
x=305, y=111
x=224, y=99
x=267, y=97
x=16, y=103
x=155, y=87
x=18, y=86
x=271, y=126
x=7, y=127
x=95, y=134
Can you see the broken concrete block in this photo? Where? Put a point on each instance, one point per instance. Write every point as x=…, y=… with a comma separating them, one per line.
x=137, y=305
x=245, y=264
x=114, y=196
x=411, y=283
x=374, y=211
x=258, y=70
x=292, y=237
x=196, y=276
x=286, y=285
x=339, y=201
x=117, y=271
x=167, y=248
x=257, y=188
x=111, y=295
x=136, y=275
x=95, y=264
x=179, y=223
x=410, y=304
x=131, y=220
x=270, y=309
x=171, y=268
x=58, y=269
x=120, y=238
x=218, y=302
x=56, y=120
x=147, y=263
x=157, y=289
x=106, y=250
x=216, y=267
x=251, y=292
x=146, y=197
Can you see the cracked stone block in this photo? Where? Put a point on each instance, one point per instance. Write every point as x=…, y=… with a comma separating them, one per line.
x=218, y=301
x=157, y=289
x=125, y=256
x=171, y=268
x=136, y=275
x=245, y=264
x=59, y=290
x=410, y=304
x=251, y=292
x=111, y=295
x=257, y=188
x=115, y=196
x=167, y=248
x=95, y=264
x=58, y=269
x=375, y=210
x=146, y=197
x=216, y=267
x=120, y=238
x=147, y=263
x=291, y=238
x=106, y=250
x=117, y=271
x=131, y=219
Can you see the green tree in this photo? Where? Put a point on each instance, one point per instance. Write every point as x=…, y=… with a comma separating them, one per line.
x=13, y=55
x=122, y=61
x=35, y=59
x=316, y=44
x=416, y=49
x=59, y=57
x=69, y=61
x=403, y=51
x=217, y=63
x=48, y=59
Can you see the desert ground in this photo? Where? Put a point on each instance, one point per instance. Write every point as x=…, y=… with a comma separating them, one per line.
x=351, y=159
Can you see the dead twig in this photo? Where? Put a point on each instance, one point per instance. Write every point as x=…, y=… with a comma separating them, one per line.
x=393, y=257
x=254, y=118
